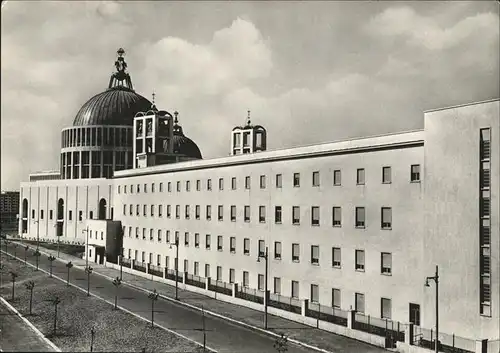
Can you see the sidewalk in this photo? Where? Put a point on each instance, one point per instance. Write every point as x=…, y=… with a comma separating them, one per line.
x=304, y=335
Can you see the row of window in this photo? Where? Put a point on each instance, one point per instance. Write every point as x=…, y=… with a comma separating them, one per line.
x=360, y=214
x=337, y=181
x=70, y=215
x=485, y=222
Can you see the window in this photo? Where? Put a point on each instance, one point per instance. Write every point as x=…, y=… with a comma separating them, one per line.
x=337, y=178
x=138, y=188
x=315, y=254
x=261, y=282
x=177, y=211
x=336, y=257
x=336, y=299
x=209, y=184
x=279, y=181
x=220, y=213
x=247, y=214
x=176, y=237
x=232, y=275
x=359, y=304
x=233, y=213
x=186, y=239
x=130, y=232
x=314, y=293
x=277, y=250
x=196, y=240
x=207, y=270
x=246, y=246
x=360, y=217
x=207, y=241
x=315, y=216
x=143, y=257
x=246, y=279
x=160, y=210
x=219, y=243
x=262, y=248
x=296, y=179
x=159, y=234
x=187, y=212
x=198, y=185
x=167, y=236
x=197, y=211
x=130, y=209
x=360, y=260
x=169, y=209
x=295, y=252
x=125, y=191
x=158, y=260
x=485, y=144
x=315, y=179
x=247, y=182
x=232, y=244
x=386, y=263
x=262, y=214
x=360, y=176
x=386, y=175
x=277, y=285
x=153, y=187
x=295, y=215
x=233, y=183
x=70, y=215
x=385, y=308
x=277, y=214
x=161, y=187
x=196, y=268
x=151, y=235
x=336, y=216
x=188, y=185
x=124, y=210
x=167, y=261
x=145, y=210
x=262, y=182
x=295, y=289
x=221, y=184
x=415, y=173
x=80, y=215
x=137, y=232
x=178, y=186
x=152, y=210
x=169, y=186
x=119, y=188
x=209, y=212
x=386, y=215
x=219, y=273
x=137, y=212
x=145, y=187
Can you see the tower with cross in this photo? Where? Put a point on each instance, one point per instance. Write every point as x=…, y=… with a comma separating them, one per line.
x=248, y=138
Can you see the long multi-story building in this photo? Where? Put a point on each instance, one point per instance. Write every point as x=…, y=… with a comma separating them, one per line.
x=353, y=225
x=9, y=210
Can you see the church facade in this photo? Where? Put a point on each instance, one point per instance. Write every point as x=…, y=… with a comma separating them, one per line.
x=352, y=225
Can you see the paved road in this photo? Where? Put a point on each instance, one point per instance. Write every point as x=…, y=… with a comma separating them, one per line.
x=222, y=336
x=17, y=336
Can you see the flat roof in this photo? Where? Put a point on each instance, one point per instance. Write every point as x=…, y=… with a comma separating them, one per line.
x=462, y=105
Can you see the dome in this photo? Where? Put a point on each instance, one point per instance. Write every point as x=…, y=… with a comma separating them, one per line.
x=115, y=106
x=184, y=145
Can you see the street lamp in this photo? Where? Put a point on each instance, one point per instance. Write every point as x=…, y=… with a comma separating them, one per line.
x=88, y=270
x=435, y=278
x=86, y=246
x=176, y=266
x=266, y=299
x=37, y=234
x=154, y=297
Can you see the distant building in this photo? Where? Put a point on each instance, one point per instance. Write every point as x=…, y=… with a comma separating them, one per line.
x=9, y=210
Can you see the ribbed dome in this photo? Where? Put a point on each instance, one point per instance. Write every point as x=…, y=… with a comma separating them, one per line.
x=184, y=145
x=115, y=106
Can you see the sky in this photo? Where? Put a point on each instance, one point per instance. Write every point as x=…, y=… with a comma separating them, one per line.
x=309, y=72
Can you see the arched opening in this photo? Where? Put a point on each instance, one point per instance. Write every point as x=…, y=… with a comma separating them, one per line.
x=60, y=218
x=24, y=217
x=102, y=209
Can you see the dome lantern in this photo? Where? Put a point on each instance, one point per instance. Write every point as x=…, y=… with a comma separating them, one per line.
x=248, y=138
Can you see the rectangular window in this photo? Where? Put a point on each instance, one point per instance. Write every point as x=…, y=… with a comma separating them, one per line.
x=386, y=310
x=152, y=210
x=197, y=211
x=279, y=179
x=198, y=185
x=246, y=246
x=232, y=275
x=124, y=210
x=209, y=212
x=315, y=254
x=138, y=188
x=119, y=188
x=178, y=186
x=277, y=214
x=169, y=211
x=221, y=184
x=261, y=282
x=167, y=261
x=336, y=299
x=187, y=212
x=219, y=273
x=277, y=285
x=151, y=235
x=246, y=279
x=314, y=293
x=315, y=179
x=186, y=239
x=295, y=252
x=41, y=214
x=415, y=173
x=386, y=215
x=295, y=289
x=296, y=180
x=359, y=304
x=247, y=214
x=188, y=185
x=51, y=214
x=160, y=210
x=80, y=215
x=177, y=211
x=137, y=232
x=337, y=216
x=485, y=144
x=145, y=210
x=386, y=263
x=159, y=234
x=152, y=187
x=161, y=187
x=233, y=183
x=158, y=260
x=336, y=257
x=386, y=175
x=262, y=214
x=207, y=241
x=232, y=244
x=233, y=213
x=167, y=236
x=219, y=243
x=360, y=260
x=337, y=177
x=207, y=270
x=277, y=250
x=295, y=215
x=360, y=176
x=209, y=184
x=137, y=212
x=262, y=248
x=360, y=217
x=220, y=212
x=70, y=215
x=176, y=237
x=196, y=240
x=247, y=182
x=315, y=216
x=196, y=268
x=262, y=182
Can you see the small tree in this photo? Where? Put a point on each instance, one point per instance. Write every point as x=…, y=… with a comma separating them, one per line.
x=51, y=259
x=37, y=255
x=26, y=248
x=30, y=285
x=92, y=335
x=154, y=297
x=88, y=270
x=55, y=301
x=68, y=266
x=13, y=275
x=117, y=283
x=281, y=344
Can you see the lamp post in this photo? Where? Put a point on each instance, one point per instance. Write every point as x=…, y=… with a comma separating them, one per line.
x=88, y=270
x=265, y=257
x=37, y=234
x=86, y=247
x=58, y=238
x=176, y=267
x=154, y=297
x=435, y=278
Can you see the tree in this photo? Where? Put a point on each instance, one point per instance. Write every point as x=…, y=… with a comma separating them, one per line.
x=92, y=335
x=30, y=285
x=117, y=282
x=37, y=255
x=55, y=301
x=154, y=297
x=13, y=276
x=88, y=270
x=68, y=266
x=26, y=248
x=51, y=259
x=281, y=344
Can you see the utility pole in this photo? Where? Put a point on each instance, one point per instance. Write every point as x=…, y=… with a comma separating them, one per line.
x=435, y=278
x=266, y=299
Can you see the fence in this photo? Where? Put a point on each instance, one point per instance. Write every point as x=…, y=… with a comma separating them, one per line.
x=125, y=262
x=195, y=281
x=392, y=330
x=170, y=274
x=250, y=294
x=220, y=287
x=447, y=343
x=326, y=313
x=285, y=303
x=155, y=270
x=140, y=266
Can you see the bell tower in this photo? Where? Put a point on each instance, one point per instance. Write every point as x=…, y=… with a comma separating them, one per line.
x=248, y=139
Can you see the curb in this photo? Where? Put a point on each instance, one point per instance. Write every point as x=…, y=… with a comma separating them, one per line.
x=108, y=302
x=37, y=331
